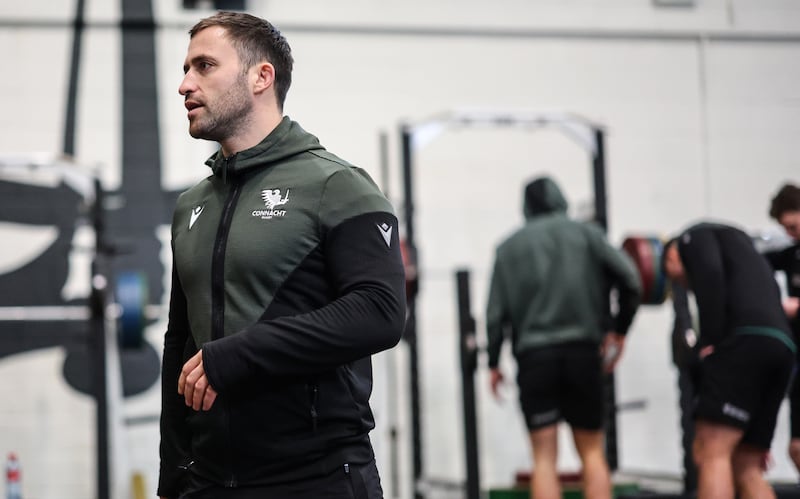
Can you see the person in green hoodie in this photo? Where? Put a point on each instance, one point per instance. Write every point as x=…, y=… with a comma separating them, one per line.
x=550, y=293
x=286, y=277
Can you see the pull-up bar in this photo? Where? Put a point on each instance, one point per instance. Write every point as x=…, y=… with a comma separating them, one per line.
x=414, y=136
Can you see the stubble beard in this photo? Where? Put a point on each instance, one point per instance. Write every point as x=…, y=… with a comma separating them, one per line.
x=225, y=119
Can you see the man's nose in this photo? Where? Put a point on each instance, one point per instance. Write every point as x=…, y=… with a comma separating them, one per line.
x=187, y=86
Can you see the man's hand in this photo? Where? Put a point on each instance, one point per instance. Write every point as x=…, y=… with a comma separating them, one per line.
x=706, y=351
x=790, y=306
x=495, y=379
x=193, y=384
x=611, y=350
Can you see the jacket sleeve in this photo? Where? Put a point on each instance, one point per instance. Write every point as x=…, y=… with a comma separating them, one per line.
x=701, y=255
x=366, y=314
x=622, y=274
x=683, y=354
x=496, y=315
x=174, y=447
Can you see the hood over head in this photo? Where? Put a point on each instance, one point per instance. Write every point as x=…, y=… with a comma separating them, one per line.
x=543, y=196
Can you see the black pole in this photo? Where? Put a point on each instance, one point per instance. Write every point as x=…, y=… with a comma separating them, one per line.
x=601, y=217
x=408, y=184
x=599, y=171
x=97, y=342
x=142, y=210
x=410, y=334
x=469, y=363
x=74, y=71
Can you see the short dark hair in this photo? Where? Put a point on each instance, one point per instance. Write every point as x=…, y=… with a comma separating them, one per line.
x=787, y=199
x=255, y=40
x=663, y=262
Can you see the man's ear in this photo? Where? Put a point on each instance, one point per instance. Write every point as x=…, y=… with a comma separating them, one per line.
x=264, y=77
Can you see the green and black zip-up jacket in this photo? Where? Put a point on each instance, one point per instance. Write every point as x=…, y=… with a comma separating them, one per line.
x=287, y=273
x=551, y=279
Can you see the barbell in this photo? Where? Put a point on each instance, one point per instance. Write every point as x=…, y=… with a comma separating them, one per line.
x=647, y=252
x=129, y=309
x=25, y=328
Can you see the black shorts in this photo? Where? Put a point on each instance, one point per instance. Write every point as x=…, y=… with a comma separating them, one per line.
x=562, y=382
x=352, y=481
x=743, y=384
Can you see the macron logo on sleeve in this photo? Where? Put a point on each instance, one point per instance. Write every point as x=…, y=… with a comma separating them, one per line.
x=386, y=231
x=196, y=211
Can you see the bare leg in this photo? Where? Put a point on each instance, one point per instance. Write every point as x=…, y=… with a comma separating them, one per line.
x=713, y=449
x=544, y=479
x=748, y=473
x=596, y=477
x=794, y=452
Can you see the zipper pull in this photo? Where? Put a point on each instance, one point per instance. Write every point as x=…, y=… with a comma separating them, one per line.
x=227, y=164
x=346, y=468
x=314, y=399
x=186, y=466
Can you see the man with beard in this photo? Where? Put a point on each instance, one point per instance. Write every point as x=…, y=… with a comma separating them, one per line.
x=287, y=277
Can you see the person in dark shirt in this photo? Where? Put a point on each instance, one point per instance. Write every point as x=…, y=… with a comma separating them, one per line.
x=747, y=355
x=785, y=209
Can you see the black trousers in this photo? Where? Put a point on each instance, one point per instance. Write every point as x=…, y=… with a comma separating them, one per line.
x=351, y=481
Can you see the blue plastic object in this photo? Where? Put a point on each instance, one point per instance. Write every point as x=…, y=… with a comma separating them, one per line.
x=131, y=296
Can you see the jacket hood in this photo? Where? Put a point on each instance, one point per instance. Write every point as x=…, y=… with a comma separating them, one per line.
x=287, y=139
x=542, y=196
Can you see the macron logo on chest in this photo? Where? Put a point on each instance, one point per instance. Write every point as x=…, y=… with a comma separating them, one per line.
x=196, y=211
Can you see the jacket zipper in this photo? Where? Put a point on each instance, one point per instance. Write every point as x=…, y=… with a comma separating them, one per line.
x=218, y=289
x=218, y=258
x=314, y=396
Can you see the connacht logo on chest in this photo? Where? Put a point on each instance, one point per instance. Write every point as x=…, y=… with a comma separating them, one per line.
x=272, y=200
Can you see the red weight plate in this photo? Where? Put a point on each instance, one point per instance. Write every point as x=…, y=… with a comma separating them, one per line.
x=640, y=249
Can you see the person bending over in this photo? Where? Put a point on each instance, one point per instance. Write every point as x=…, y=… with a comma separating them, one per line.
x=747, y=353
